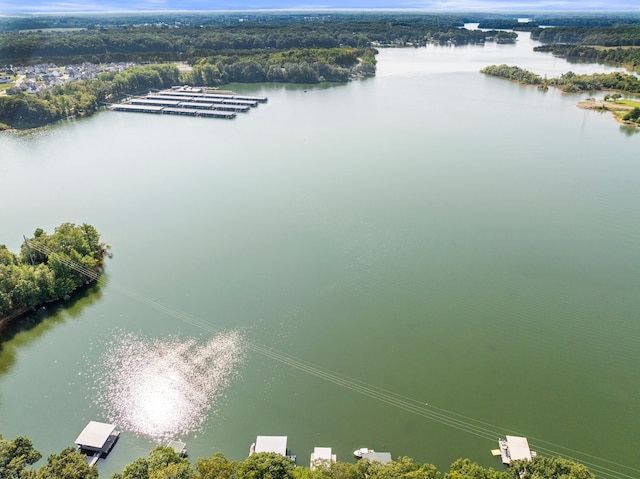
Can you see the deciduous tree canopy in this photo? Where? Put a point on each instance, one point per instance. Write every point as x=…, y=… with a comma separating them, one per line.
x=41, y=272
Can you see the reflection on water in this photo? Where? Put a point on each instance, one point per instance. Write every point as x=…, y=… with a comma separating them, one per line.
x=28, y=328
x=165, y=387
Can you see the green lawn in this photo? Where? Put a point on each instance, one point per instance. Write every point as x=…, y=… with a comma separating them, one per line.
x=629, y=103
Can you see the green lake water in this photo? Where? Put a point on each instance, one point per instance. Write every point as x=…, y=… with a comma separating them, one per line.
x=467, y=243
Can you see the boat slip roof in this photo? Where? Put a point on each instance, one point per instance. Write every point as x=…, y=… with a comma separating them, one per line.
x=518, y=448
x=276, y=444
x=95, y=435
x=381, y=457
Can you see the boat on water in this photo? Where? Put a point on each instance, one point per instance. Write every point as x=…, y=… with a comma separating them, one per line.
x=362, y=452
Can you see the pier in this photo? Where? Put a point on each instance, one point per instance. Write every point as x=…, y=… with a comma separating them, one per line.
x=191, y=101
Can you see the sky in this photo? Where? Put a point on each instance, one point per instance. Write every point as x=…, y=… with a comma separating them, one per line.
x=55, y=6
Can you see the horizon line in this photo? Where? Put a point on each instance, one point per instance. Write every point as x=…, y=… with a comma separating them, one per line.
x=475, y=10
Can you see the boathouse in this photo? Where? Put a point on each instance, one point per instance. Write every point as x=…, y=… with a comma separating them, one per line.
x=381, y=457
x=515, y=448
x=178, y=446
x=321, y=457
x=97, y=439
x=277, y=444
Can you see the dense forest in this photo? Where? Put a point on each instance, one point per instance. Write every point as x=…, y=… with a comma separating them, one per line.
x=629, y=57
x=626, y=35
x=163, y=462
x=186, y=43
x=48, y=267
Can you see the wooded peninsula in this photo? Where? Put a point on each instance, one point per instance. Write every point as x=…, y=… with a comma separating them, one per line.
x=220, y=48
x=48, y=268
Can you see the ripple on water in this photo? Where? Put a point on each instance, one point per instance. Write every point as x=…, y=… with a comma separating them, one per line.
x=163, y=388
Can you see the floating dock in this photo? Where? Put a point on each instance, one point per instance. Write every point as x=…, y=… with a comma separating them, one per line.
x=513, y=448
x=191, y=101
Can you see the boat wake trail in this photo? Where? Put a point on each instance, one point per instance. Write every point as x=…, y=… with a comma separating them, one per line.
x=164, y=388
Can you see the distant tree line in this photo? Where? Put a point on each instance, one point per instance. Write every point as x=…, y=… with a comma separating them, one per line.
x=568, y=82
x=163, y=462
x=628, y=57
x=583, y=19
x=40, y=273
x=216, y=19
x=207, y=19
x=614, y=36
x=509, y=24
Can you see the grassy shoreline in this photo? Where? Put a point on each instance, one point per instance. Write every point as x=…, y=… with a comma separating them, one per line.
x=618, y=108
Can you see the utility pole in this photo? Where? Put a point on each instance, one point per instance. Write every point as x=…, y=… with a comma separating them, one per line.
x=26, y=242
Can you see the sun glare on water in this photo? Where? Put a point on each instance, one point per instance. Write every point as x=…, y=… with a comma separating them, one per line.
x=166, y=387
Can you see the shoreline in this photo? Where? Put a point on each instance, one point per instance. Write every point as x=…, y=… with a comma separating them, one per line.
x=616, y=109
x=10, y=320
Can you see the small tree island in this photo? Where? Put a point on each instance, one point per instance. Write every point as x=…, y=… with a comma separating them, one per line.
x=48, y=268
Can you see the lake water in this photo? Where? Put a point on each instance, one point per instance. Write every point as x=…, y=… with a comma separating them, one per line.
x=461, y=253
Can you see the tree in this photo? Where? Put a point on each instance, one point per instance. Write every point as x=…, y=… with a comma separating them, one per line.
x=6, y=256
x=403, y=468
x=69, y=464
x=42, y=271
x=550, y=468
x=138, y=469
x=465, y=469
x=215, y=467
x=266, y=465
x=633, y=115
x=15, y=456
x=165, y=462
x=162, y=463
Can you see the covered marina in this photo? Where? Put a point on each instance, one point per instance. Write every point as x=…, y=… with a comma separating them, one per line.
x=172, y=110
x=212, y=93
x=191, y=101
